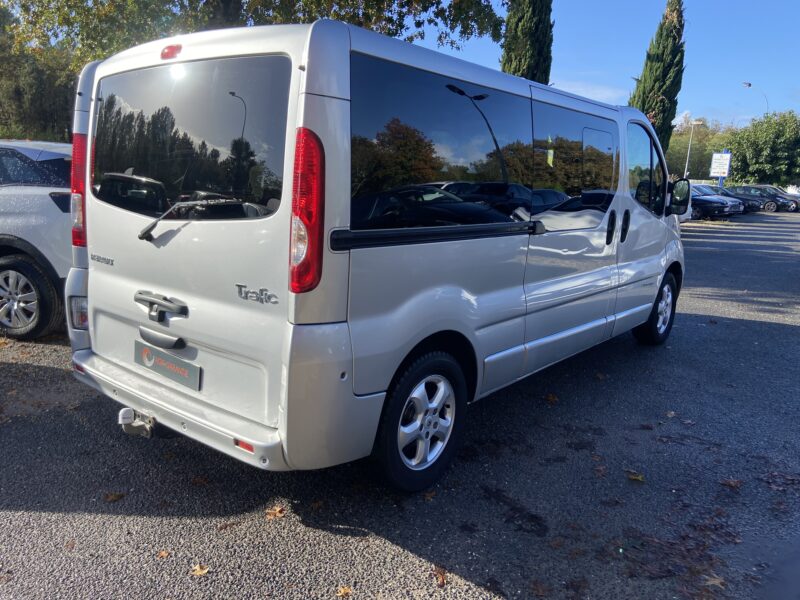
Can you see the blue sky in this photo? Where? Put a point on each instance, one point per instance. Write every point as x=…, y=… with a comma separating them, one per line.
x=599, y=45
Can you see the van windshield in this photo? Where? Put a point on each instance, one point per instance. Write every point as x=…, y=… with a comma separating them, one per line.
x=215, y=126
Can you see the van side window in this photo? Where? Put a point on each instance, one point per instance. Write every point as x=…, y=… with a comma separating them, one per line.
x=574, y=167
x=646, y=175
x=429, y=150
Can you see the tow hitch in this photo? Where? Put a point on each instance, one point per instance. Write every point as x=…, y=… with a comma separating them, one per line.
x=134, y=423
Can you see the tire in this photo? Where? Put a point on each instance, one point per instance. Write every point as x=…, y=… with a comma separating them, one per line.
x=770, y=206
x=792, y=207
x=656, y=331
x=29, y=302
x=428, y=451
x=697, y=214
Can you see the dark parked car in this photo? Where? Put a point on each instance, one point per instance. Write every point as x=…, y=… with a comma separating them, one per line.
x=751, y=203
x=773, y=198
x=735, y=205
x=706, y=207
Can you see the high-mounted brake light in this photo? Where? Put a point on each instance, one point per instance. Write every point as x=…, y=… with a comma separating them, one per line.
x=171, y=51
x=78, y=196
x=308, y=201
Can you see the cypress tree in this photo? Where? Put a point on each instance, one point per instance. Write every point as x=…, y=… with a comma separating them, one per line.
x=656, y=92
x=528, y=41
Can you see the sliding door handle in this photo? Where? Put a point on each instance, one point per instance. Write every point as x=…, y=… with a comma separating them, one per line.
x=626, y=224
x=612, y=225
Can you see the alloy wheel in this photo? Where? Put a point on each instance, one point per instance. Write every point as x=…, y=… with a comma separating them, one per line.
x=426, y=422
x=664, y=309
x=770, y=207
x=19, y=304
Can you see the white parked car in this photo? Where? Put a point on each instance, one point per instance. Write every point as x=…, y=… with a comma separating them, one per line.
x=35, y=245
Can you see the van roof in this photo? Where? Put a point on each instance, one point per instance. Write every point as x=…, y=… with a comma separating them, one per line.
x=382, y=46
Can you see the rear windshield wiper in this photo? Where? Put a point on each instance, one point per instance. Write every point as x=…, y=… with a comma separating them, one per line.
x=197, y=199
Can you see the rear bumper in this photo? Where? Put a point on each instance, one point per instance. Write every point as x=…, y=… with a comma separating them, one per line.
x=206, y=424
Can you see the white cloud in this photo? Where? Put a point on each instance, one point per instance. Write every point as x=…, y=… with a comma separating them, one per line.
x=593, y=91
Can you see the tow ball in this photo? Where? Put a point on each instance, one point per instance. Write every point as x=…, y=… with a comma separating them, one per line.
x=134, y=423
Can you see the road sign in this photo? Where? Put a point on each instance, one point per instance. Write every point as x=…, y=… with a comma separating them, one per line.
x=720, y=164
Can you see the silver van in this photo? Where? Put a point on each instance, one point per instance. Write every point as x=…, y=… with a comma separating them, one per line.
x=308, y=244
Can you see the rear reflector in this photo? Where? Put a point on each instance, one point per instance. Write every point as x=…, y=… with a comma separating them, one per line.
x=78, y=197
x=172, y=51
x=308, y=219
x=244, y=446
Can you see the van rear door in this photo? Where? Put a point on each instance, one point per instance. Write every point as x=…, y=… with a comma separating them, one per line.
x=198, y=305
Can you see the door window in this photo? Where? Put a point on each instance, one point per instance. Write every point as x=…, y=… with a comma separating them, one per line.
x=646, y=175
x=574, y=167
x=429, y=150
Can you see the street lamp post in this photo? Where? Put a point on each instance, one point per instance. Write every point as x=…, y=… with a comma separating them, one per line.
x=689, y=150
x=235, y=95
x=747, y=84
x=478, y=98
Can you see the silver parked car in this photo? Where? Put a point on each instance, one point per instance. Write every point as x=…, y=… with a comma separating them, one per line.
x=266, y=259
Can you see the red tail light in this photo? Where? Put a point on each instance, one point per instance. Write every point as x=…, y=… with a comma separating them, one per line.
x=78, y=197
x=308, y=201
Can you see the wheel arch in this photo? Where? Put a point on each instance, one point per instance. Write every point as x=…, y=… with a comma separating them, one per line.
x=452, y=342
x=10, y=245
x=676, y=269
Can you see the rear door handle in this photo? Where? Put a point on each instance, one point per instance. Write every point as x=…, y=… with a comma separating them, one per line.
x=612, y=225
x=162, y=340
x=626, y=223
x=158, y=306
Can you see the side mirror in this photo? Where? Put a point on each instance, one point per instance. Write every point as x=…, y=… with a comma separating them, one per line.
x=681, y=192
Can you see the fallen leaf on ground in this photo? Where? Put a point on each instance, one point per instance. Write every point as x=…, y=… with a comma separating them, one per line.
x=634, y=476
x=199, y=570
x=670, y=414
x=597, y=457
x=429, y=495
x=600, y=470
x=317, y=505
x=228, y=525
x=3, y=343
x=551, y=398
x=714, y=580
x=440, y=575
x=113, y=496
x=199, y=480
x=556, y=543
x=70, y=545
x=162, y=554
x=734, y=484
x=276, y=512
x=344, y=591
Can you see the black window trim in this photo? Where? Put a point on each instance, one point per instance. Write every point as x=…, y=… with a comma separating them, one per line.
x=342, y=240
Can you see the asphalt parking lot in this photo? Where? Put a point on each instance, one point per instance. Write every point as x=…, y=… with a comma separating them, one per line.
x=624, y=472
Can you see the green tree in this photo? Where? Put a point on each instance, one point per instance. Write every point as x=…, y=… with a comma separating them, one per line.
x=656, y=92
x=528, y=40
x=96, y=29
x=36, y=88
x=767, y=150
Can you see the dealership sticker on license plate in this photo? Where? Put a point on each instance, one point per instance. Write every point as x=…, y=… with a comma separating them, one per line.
x=167, y=365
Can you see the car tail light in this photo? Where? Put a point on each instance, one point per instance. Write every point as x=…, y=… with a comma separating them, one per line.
x=78, y=197
x=308, y=200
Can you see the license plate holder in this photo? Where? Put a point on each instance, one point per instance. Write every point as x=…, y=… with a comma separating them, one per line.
x=168, y=366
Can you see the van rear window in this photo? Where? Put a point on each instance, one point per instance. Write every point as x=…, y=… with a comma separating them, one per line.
x=206, y=129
